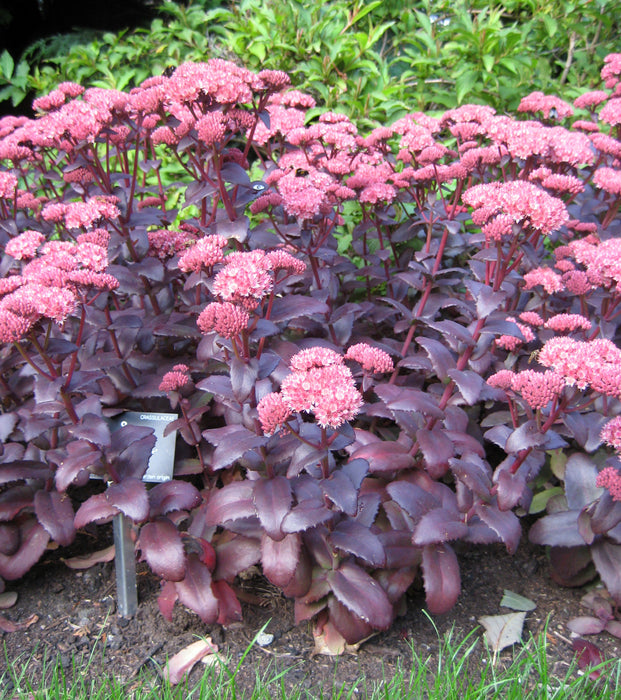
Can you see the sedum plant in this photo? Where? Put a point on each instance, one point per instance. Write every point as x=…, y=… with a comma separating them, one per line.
x=338, y=318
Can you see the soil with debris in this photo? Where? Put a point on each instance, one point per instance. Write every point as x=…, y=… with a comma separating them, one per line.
x=71, y=613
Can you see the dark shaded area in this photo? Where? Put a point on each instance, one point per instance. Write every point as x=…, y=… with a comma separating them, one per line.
x=25, y=21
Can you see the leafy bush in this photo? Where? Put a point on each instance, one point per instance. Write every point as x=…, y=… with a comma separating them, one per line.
x=336, y=412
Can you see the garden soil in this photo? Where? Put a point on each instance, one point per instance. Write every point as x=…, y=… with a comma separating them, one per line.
x=75, y=618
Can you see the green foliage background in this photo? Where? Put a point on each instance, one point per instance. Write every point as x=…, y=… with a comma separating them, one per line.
x=375, y=60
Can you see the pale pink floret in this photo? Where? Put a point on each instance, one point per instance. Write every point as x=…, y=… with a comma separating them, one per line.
x=545, y=277
x=226, y=319
x=204, y=254
x=245, y=279
x=608, y=179
x=531, y=317
x=25, y=245
x=372, y=359
x=176, y=379
x=12, y=326
x=610, y=479
x=568, y=323
x=273, y=412
x=501, y=379
x=577, y=282
x=611, y=433
x=8, y=185
x=538, y=388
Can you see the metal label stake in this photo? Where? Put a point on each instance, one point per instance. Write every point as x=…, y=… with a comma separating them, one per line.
x=160, y=469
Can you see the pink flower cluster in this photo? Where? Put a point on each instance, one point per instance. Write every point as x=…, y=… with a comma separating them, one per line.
x=226, y=319
x=610, y=479
x=512, y=342
x=524, y=202
x=537, y=388
x=611, y=433
x=319, y=383
x=203, y=254
x=538, y=102
x=165, y=243
x=176, y=379
x=566, y=323
x=82, y=214
x=594, y=363
x=372, y=359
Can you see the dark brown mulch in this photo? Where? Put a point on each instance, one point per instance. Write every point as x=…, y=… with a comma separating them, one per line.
x=77, y=612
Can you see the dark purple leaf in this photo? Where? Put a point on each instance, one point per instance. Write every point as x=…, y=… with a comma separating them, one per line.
x=580, y=476
x=474, y=473
x=231, y=443
x=571, y=566
x=130, y=497
x=586, y=428
x=92, y=428
x=32, y=546
x=9, y=539
x=504, y=523
x=397, y=581
x=81, y=456
x=350, y=626
x=217, y=384
x=606, y=514
x=454, y=333
x=384, y=456
x=557, y=530
x=487, y=300
x=437, y=449
x=368, y=505
x=133, y=461
x=442, y=579
x=234, y=555
x=361, y=594
x=7, y=422
x=441, y=358
x=231, y=502
x=350, y=536
x=499, y=435
x=404, y=399
x=173, y=495
x=439, y=525
x=22, y=470
x=279, y=559
x=511, y=489
x=46, y=390
x=161, y=545
x=55, y=512
x=340, y=490
x=586, y=625
x=356, y=470
x=469, y=384
x=234, y=174
x=15, y=499
x=95, y=509
x=296, y=306
x=412, y=498
x=229, y=607
x=527, y=435
x=272, y=500
x=306, y=515
x=195, y=592
x=607, y=560
x=243, y=378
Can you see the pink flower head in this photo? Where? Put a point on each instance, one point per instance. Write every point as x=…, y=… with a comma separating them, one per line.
x=8, y=185
x=245, y=279
x=212, y=128
x=84, y=214
x=328, y=391
x=610, y=479
x=538, y=102
x=577, y=282
x=545, y=277
x=590, y=99
x=164, y=243
x=204, y=254
x=524, y=202
x=568, y=323
x=226, y=319
x=532, y=318
x=175, y=380
x=537, y=388
x=12, y=326
x=89, y=278
x=372, y=359
x=611, y=112
x=25, y=245
x=611, y=433
x=568, y=184
x=501, y=379
x=314, y=357
x=281, y=260
x=273, y=412
x=609, y=180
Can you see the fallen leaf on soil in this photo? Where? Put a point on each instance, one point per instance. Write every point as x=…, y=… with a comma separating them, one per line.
x=587, y=655
x=7, y=600
x=87, y=560
x=503, y=630
x=515, y=601
x=183, y=661
x=10, y=626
